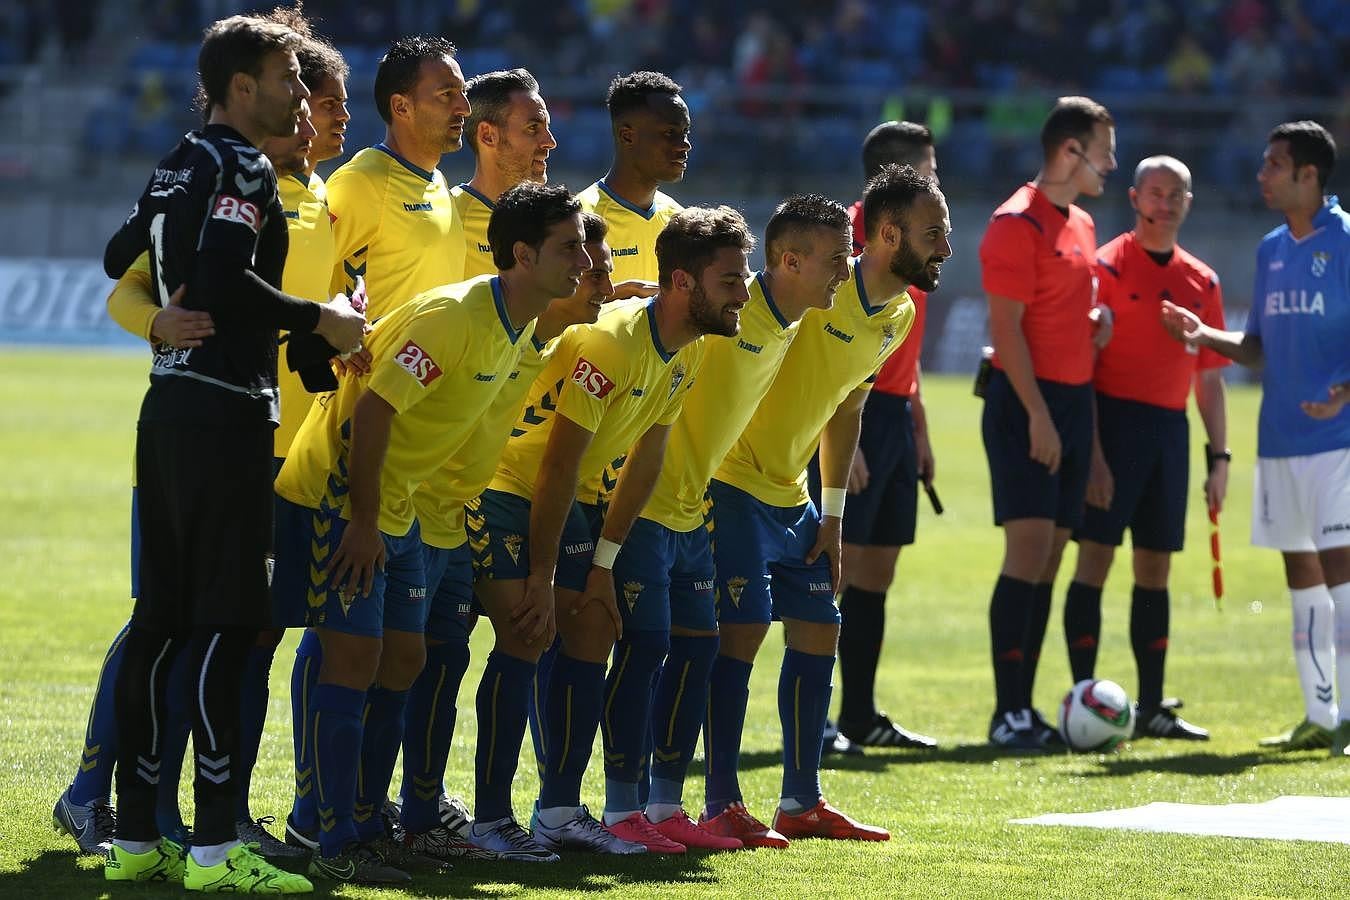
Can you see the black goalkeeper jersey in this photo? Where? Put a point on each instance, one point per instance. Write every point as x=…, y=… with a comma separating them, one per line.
x=211, y=219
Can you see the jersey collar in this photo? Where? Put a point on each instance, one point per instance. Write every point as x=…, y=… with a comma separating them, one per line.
x=1328, y=212
x=420, y=173
x=768, y=297
x=868, y=308
x=656, y=335
x=500, y=302
x=645, y=213
x=465, y=187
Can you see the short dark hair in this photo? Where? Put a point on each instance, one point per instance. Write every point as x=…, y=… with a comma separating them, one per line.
x=798, y=214
x=890, y=193
x=526, y=213
x=895, y=142
x=1072, y=118
x=597, y=229
x=693, y=236
x=319, y=60
x=234, y=45
x=490, y=96
x=397, y=72
x=1310, y=145
x=632, y=91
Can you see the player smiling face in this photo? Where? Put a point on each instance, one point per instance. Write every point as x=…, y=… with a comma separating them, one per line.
x=438, y=106
x=524, y=140
x=329, y=116
x=924, y=246
x=561, y=258
x=824, y=262
x=658, y=136
x=583, y=307
x=278, y=94
x=720, y=293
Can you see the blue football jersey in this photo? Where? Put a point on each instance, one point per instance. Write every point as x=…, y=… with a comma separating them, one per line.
x=1301, y=313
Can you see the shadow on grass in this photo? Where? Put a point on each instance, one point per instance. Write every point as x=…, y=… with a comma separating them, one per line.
x=55, y=873
x=1205, y=764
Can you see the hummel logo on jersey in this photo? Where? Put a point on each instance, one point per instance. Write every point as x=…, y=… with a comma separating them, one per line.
x=636, y=392
x=590, y=379
x=675, y=378
x=513, y=543
x=484, y=248
x=1319, y=263
x=624, y=251
x=232, y=209
x=830, y=329
x=415, y=361
x=247, y=185
x=1289, y=303
x=291, y=213
x=485, y=376
x=746, y=345
x=168, y=357
x=1276, y=265
x=631, y=591
x=735, y=586
x=424, y=206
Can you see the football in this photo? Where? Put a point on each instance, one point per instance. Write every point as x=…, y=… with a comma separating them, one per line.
x=1096, y=715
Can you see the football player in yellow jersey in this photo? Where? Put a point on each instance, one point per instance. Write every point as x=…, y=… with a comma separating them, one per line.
x=132, y=305
x=608, y=387
x=393, y=219
x=650, y=124
x=776, y=554
x=349, y=543
x=665, y=570
x=434, y=825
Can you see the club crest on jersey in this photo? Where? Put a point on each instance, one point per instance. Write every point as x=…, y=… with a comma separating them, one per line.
x=676, y=378
x=590, y=379
x=513, y=543
x=1319, y=263
x=735, y=587
x=417, y=363
x=887, y=337
x=631, y=591
x=232, y=209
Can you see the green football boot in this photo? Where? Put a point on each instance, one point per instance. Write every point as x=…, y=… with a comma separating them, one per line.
x=243, y=871
x=165, y=862
x=1306, y=735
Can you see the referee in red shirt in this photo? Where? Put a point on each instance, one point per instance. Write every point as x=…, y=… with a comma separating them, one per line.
x=1036, y=262
x=1142, y=379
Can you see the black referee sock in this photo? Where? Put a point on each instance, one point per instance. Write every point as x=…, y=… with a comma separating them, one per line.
x=863, y=616
x=140, y=698
x=1038, y=618
x=1082, y=627
x=1008, y=611
x=1150, y=614
x=217, y=673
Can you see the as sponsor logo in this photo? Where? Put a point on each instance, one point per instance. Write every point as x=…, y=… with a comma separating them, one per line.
x=417, y=363
x=590, y=379
x=232, y=209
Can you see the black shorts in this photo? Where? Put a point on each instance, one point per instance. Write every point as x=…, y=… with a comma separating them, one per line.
x=1147, y=448
x=1022, y=487
x=204, y=507
x=884, y=513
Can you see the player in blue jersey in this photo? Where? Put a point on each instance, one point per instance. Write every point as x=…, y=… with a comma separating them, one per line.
x=1298, y=332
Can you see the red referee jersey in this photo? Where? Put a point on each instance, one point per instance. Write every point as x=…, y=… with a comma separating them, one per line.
x=1033, y=253
x=1142, y=362
x=900, y=373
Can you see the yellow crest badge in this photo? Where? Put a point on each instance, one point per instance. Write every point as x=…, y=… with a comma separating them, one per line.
x=888, y=333
x=513, y=543
x=631, y=591
x=676, y=378
x=735, y=587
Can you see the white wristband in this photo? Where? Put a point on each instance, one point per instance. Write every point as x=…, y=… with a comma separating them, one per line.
x=606, y=552
x=832, y=502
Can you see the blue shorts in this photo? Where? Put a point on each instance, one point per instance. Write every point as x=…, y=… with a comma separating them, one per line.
x=884, y=513
x=1147, y=448
x=1022, y=487
x=760, y=553
x=498, y=524
x=664, y=577
x=453, y=609
x=305, y=539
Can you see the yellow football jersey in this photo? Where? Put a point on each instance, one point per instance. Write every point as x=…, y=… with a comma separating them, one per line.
x=132, y=303
x=309, y=265
x=614, y=379
x=439, y=501
x=474, y=210
x=395, y=224
x=736, y=374
x=439, y=361
x=836, y=351
x=632, y=231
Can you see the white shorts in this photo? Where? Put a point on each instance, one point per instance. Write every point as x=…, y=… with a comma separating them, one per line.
x=1301, y=504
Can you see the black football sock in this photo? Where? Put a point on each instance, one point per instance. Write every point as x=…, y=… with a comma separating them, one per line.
x=1008, y=610
x=1038, y=617
x=1149, y=620
x=860, y=633
x=1082, y=627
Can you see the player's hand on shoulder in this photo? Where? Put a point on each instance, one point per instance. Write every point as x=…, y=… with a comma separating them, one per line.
x=858, y=473
x=627, y=290
x=182, y=328
x=1338, y=395
x=340, y=324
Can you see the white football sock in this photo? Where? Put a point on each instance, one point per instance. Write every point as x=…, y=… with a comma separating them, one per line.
x=1340, y=598
x=137, y=846
x=212, y=854
x=557, y=816
x=1315, y=652
x=659, y=812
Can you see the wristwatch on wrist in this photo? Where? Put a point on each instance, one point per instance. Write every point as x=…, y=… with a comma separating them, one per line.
x=1212, y=456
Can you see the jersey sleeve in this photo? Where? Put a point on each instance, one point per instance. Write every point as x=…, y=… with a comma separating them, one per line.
x=132, y=303
x=1108, y=283
x=418, y=358
x=1253, y=326
x=597, y=375
x=1212, y=315
x=355, y=206
x=1008, y=259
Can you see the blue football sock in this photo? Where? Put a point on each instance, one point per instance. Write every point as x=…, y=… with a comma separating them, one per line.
x=253, y=696
x=680, y=705
x=645, y=771
x=502, y=706
x=337, y=754
x=538, y=691
x=803, y=703
x=93, y=775
x=304, y=680
x=178, y=701
x=626, y=720
x=576, y=692
x=381, y=736
x=728, y=696
x=426, y=735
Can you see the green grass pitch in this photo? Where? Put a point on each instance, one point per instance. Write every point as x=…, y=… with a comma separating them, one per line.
x=66, y=432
